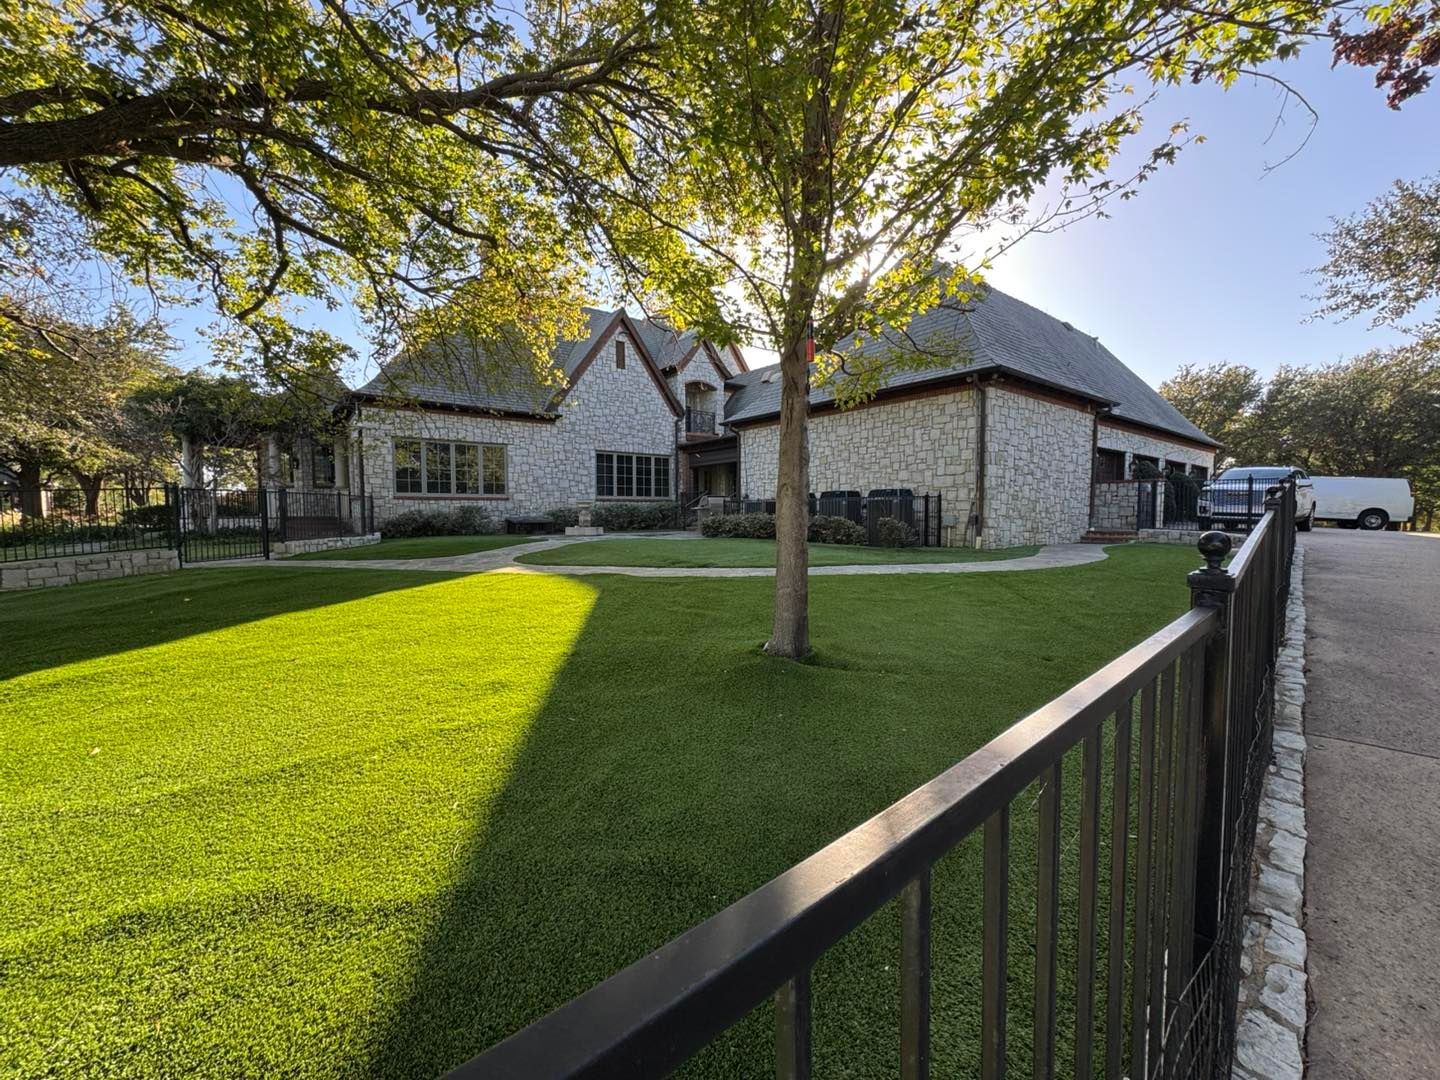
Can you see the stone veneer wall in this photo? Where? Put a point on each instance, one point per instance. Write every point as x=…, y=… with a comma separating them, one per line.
x=1037, y=470
x=1116, y=506
x=95, y=566
x=1132, y=443
x=1190, y=537
x=923, y=443
x=284, y=548
x=549, y=464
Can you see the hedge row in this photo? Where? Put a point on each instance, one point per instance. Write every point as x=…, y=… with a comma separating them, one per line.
x=823, y=529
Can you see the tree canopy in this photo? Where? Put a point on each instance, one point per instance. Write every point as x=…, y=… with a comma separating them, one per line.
x=64, y=412
x=434, y=164
x=1385, y=261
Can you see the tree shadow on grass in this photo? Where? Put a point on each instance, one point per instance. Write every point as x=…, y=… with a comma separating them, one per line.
x=663, y=779
x=49, y=628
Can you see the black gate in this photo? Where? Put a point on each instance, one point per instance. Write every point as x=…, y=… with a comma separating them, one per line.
x=214, y=525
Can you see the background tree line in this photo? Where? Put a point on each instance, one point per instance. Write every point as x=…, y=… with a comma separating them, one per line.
x=1374, y=415
x=108, y=409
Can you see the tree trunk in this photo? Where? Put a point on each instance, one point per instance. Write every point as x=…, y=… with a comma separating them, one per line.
x=192, y=471
x=32, y=499
x=790, y=632
x=90, y=485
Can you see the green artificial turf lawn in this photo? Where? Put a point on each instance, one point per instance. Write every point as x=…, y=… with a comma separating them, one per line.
x=729, y=552
x=326, y=822
x=423, y=547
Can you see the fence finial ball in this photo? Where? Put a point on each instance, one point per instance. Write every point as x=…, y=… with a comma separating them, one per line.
x=1214, y=546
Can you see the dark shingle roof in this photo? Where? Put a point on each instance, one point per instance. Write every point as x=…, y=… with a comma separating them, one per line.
x=466, y=374
x=994, y=332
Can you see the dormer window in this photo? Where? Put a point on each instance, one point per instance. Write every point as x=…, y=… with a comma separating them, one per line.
x=620, y=355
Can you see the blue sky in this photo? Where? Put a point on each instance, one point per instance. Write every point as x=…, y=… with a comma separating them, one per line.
x=1210, y=262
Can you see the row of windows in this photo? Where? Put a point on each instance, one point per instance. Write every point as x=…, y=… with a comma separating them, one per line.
x=632, y=476
x=433, y=467
x=1110, y=466
x=430, y=467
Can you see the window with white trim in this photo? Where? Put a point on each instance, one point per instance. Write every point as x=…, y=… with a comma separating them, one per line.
x=631, y=476
x=435, y=467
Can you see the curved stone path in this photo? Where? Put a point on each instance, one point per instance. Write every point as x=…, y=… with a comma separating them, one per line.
x=502, y=560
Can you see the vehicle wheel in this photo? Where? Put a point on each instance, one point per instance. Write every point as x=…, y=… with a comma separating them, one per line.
x=1307, y=524
x=1373, y=520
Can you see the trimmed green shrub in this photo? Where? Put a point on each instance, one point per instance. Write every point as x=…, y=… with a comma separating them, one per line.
x=467, y=521
x=564, y=516
x=635, y=517
x=741, y=526
x=148, y=517
x=892, y=532
x=825, y=529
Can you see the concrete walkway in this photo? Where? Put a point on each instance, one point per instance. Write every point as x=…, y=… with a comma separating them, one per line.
x=1373, y=789
x=502, y=560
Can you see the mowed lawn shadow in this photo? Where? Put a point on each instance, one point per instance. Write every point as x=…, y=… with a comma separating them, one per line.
x=49, y=628
x=674, y=768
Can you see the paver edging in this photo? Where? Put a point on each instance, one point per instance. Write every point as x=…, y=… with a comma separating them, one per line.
x=1273, y=998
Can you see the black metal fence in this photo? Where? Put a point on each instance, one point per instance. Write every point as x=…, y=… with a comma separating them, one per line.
x=313, y=515
x=1191, y=503
x=918, y=514
x=1178, y=729
x=50, y=522
x=203, y=524
x=213, y=524
x=243, y=523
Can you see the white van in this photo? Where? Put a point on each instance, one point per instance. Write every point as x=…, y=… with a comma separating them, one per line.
x=1366, y=502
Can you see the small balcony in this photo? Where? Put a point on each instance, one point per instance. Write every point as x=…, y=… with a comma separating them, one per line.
x=699, y=421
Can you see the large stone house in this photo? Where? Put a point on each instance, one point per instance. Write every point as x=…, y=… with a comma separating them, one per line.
x=1031, y=435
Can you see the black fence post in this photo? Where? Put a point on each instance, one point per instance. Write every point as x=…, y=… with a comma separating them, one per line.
x=283, y=508
x=176, y=524
x=1212, y=587
x=263, y=497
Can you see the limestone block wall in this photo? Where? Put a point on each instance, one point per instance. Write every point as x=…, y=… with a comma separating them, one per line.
x=1156, y=446
x=1116, y=503
x=1037, y=470
x=92, y=566
x=925, y=443
x=284, y=548
x=549, y=464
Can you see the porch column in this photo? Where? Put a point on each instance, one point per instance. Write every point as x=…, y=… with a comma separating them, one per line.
x=340, y=451
x=272, y=460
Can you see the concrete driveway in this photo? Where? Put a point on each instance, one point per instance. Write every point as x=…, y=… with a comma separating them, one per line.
x=1373, y=792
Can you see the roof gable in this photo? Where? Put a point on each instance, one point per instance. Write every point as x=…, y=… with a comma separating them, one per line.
x=455, y=374
x=996, y=332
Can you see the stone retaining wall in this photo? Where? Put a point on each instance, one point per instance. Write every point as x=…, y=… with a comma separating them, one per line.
x=1188, y=537
x=284, y=549
x=92, y=566
x=1273, y=1007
